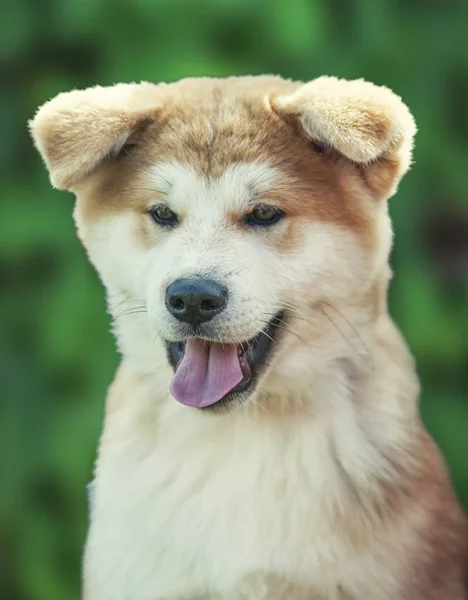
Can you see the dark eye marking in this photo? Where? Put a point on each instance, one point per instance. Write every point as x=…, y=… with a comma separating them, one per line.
x=163, y=215
x=263, y=215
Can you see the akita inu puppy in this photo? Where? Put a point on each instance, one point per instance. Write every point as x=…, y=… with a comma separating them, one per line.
x=262, y=438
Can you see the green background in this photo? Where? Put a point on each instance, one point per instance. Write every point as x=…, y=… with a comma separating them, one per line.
x=56, y=353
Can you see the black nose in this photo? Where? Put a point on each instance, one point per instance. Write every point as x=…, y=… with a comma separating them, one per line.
x=195, y=300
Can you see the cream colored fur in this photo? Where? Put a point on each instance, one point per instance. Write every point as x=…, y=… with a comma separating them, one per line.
x=323, y=485
x=361, y=120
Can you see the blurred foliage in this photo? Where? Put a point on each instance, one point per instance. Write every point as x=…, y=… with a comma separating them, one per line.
x=57, y=355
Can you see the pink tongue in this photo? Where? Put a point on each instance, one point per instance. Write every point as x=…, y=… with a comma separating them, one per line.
x=206, y=374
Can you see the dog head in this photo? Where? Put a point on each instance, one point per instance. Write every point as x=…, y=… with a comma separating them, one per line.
x=232, y=220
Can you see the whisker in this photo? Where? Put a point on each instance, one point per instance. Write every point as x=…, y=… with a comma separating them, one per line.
x=138, y=169
x=124, y=295
x=291, y=317
x=293, y=308
x=236, y=272
x=124, y=304
x=349, y=323
x=157, y=174
x=257, y=404
x=321, y=310
x=324, y=312
x=267, y=335
x=284, y=326
x=154, y=190
x=287, y=327
x=131, y=311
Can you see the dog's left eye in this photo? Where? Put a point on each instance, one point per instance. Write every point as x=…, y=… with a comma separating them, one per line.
x=264, y=215
x=163, y=215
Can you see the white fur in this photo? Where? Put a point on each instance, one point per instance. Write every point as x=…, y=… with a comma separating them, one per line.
x=188, y=503
x=328, y=259
x=243, y=505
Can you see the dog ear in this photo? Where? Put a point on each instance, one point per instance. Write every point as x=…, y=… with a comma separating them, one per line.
x=367, y=124
x=76, y=131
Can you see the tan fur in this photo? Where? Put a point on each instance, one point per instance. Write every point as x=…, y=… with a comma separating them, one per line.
x=324, y=484
x=359, y=119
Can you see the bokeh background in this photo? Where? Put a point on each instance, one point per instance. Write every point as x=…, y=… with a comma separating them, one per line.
x=56, y=353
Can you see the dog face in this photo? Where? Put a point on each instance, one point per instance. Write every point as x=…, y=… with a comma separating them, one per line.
x=225, y=216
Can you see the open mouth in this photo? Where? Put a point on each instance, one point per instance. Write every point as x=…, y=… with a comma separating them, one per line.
x=213, y=374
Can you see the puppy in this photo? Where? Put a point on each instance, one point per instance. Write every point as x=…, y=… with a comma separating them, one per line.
x=262, y=438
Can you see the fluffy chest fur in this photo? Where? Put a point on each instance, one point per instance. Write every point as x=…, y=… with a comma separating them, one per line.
x=194, y=506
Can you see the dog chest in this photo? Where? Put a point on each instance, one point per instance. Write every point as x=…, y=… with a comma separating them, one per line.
x=187, y=518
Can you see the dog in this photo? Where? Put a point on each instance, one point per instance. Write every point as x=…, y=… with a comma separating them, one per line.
x=262, y=438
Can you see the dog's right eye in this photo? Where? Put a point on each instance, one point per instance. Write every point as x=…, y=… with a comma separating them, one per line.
x=163, y=215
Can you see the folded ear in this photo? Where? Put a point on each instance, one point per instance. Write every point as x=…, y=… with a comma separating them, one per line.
x=75, y=131
x=364, y=122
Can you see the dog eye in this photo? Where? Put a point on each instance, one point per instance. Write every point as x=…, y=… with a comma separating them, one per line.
x=163, y=215
x=264, y=215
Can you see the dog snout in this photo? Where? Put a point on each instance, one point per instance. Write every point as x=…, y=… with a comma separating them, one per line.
x=195, y=300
